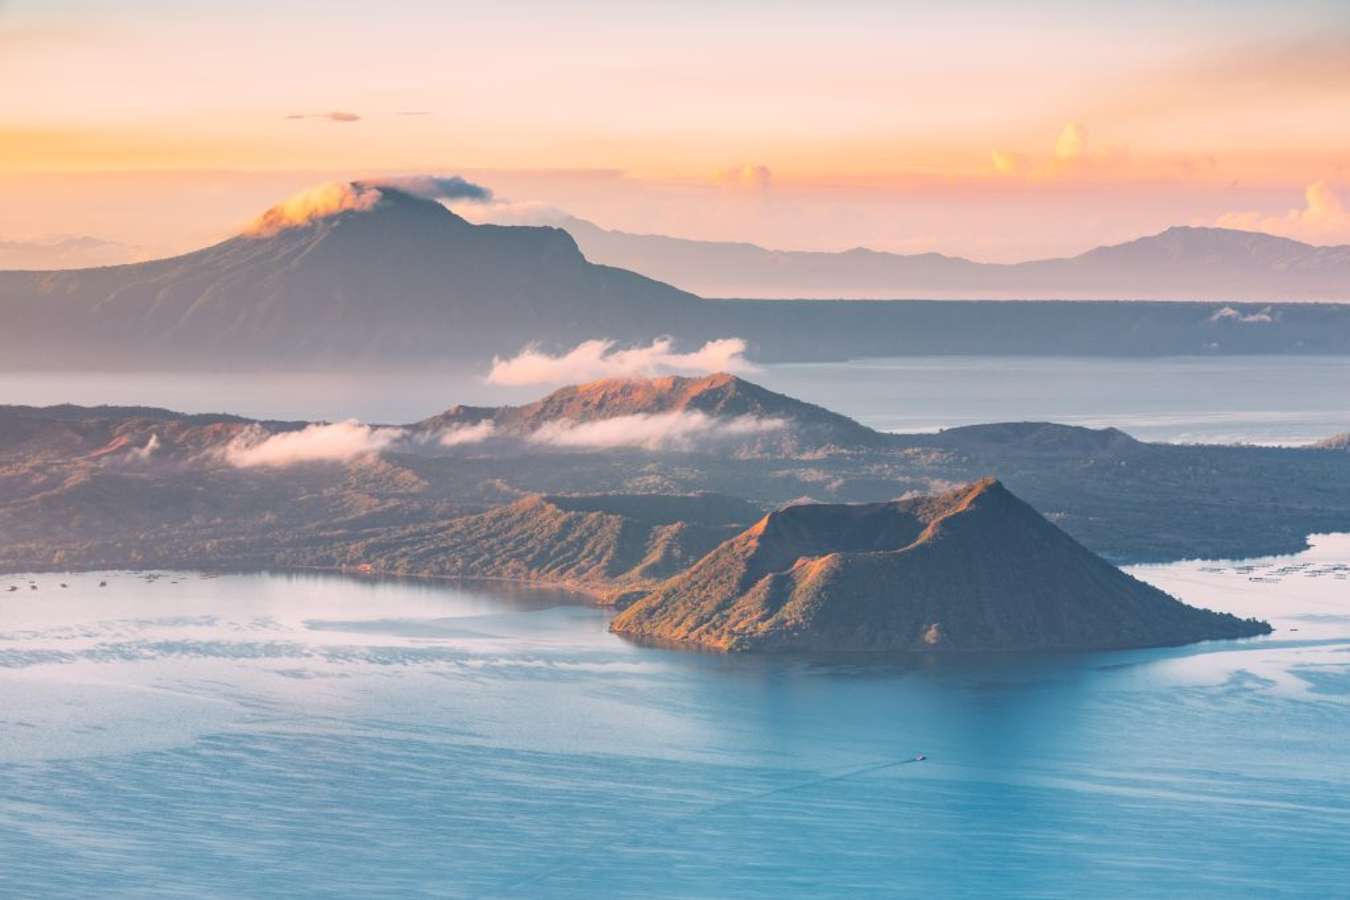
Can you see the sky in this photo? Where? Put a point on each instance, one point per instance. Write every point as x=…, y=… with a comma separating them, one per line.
x=997, y=131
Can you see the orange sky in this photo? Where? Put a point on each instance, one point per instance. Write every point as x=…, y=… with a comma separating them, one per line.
x=973, y=128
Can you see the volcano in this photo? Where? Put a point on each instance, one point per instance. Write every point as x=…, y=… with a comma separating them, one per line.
x=972, y=569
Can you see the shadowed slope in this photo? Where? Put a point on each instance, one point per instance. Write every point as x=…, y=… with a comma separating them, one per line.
x=601, y=542
x=974, y=569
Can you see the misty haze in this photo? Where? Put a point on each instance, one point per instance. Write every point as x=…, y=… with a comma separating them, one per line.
x=744, y=451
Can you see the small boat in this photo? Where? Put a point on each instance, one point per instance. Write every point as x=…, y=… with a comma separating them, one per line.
x=103, y=584
x=920, y=758
x=63, y=584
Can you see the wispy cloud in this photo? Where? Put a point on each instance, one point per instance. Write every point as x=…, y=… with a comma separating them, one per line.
x=680, y=430
x=596, y=359
x=323, y=442
x=336, y=115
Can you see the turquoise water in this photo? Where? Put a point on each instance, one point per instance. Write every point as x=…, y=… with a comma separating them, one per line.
x=312, y=735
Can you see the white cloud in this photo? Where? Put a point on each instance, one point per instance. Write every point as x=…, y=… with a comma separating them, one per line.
x=680, y=430
x=459, y=435
x=1229, y=314
x=1322, y=219
x=596, y=359
x=324, y=442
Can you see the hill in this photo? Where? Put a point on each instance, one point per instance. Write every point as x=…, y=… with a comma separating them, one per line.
x=973, y=569
x=716, y=409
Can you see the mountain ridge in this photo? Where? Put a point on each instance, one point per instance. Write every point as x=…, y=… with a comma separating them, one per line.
x=747, y=270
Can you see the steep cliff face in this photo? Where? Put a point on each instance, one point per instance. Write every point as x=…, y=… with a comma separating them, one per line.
x=973, y=569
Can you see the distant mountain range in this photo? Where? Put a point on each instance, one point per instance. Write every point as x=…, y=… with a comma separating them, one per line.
x=970, y=569
x=69, y=252
x=1181, y=263
x=405, y=282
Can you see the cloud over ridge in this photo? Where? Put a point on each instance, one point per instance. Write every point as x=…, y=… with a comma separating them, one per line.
x=333, y=198
x=598, y=359
x=434, y=187
x=678, y=430
x=320, y=442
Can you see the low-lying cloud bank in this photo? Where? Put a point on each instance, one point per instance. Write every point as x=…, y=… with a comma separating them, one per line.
x=597, y=359
x=342, y=442
x=462, y=435
x=681, y=430
x=325, y=442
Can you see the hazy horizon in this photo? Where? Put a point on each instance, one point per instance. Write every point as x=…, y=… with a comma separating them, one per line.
x=969, y=130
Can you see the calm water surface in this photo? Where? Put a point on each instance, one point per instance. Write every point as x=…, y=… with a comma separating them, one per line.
x=304, y=735
x=1264, y=400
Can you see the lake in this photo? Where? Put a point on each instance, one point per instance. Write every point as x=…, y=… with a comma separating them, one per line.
x=1255, y=399
x=188, y=734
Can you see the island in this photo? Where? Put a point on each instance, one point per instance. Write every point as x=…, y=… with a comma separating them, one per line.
x=971, y=569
